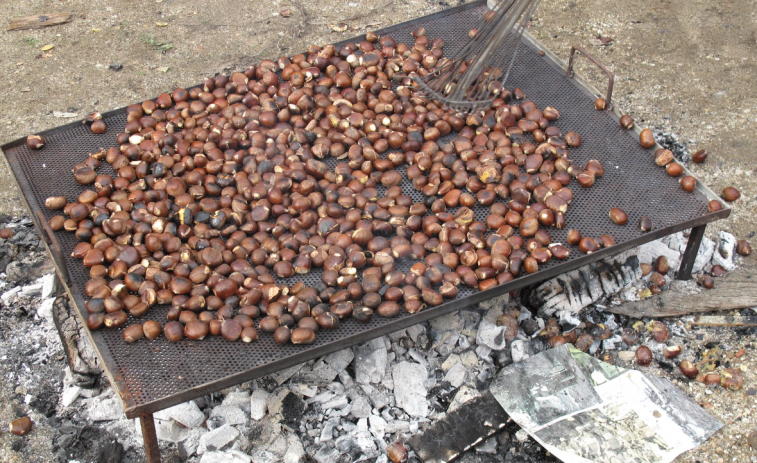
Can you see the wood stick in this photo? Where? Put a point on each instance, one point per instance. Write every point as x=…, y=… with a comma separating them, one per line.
x=725, y=320
x=736, y=290
x=39, y=21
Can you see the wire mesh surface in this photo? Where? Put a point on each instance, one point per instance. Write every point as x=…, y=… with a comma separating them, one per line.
x=152, y=375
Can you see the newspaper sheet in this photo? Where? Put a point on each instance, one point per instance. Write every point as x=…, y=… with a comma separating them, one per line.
x=584, y=410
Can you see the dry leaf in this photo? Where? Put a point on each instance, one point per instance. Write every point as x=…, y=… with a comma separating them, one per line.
x=341, y=27
x=285, y=13
x=600, y=41
x=47, y=47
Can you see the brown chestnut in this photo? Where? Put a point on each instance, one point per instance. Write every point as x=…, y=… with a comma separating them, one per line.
x=618, y=216
x=700, y=156
x=133, y=333
x=20, y=426
x=626, y=121
x=671, y=352
x=688, y=183
x=302, y=336
x=743, y=247
x=646, y=138
x=35, y=142
x=151, y=329
x=643, y=356
x=688, y=369
x=55, y=203
x=98, y=126
x=645, y=224
x=730, y=194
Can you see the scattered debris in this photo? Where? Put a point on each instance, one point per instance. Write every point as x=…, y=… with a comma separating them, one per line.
x=601, y=41
x=65, y=115
x=727, y=320
x=736, y=290
x=39, y=21
x=582, y=409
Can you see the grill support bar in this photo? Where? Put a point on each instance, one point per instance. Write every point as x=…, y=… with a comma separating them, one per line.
x=690, y=255
x=150, y=437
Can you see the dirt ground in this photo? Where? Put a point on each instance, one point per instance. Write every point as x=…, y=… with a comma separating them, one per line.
x=687, y=67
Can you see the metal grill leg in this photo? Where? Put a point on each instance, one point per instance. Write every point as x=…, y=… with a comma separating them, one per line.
x=152, y=450
x=692, y=248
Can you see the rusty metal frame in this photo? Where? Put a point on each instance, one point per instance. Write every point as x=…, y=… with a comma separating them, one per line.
x=608, y=73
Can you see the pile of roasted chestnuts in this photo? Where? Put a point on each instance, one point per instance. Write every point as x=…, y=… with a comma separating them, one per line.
x=221, y=192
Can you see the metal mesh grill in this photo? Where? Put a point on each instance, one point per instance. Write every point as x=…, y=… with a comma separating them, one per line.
x=153, y=375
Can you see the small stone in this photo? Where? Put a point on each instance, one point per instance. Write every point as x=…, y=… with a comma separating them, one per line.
x=169, y=431
x=463, y=395
x=361, y=407
x=295, y=451
x=230, y=414
x=456, y=375
x=230, y=456
x=521, y=436
x=627, y=355
x=188, y=446
x=327, y=432
x=377, y=426
x=348, y=446
x=488, y=447
x=491, y=336
x=33, y=289
x=752, y=440
x=305, y=390
x=45, y=310
x=70, y=394
x=258, y=404
x=217, y=438
x=704, y=255
x=337, y=402
x=326, y=454
x=409, y=388
x=116, y=67
x=239, y=398
x=108, y=409
x=340, y=359
x=187, y=414
x=49, y=285
x=518, y=350
x=371, y=361
x=724, y=252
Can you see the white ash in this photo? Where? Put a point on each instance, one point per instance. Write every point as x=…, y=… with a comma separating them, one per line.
x=349, y=405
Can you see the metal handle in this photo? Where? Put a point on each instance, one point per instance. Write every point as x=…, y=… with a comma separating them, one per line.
x=49, y=236
x=610, y=77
